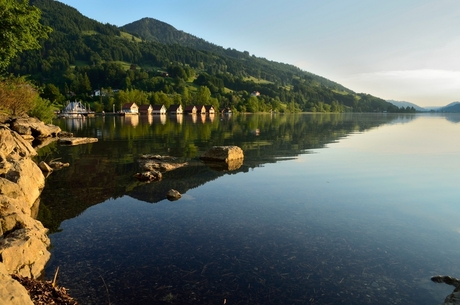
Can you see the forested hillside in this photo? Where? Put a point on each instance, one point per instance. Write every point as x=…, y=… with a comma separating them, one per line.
x=149, y=61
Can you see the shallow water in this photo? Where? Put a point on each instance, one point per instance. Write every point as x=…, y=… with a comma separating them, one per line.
x=326, y=209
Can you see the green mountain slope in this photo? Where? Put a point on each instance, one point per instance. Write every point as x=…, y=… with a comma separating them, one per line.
x=154, y=30
x=158, y=31
x=83, y=55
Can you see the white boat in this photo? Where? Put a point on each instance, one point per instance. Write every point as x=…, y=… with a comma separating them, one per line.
x=74, y=110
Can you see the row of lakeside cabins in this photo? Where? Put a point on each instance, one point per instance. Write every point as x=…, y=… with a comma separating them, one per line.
x=132, y=108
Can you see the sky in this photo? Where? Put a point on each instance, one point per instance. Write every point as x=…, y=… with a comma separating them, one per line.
x=404, y=50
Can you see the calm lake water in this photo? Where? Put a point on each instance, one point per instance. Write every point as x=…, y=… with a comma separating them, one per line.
x=325, y=209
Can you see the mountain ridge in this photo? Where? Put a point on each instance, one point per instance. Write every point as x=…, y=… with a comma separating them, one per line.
x=451, y=107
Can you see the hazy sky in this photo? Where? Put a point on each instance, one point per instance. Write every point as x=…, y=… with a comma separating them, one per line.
x=397, y=49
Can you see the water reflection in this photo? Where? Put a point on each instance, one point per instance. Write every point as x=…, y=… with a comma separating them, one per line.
x=75, y=123
x=132, y=120
x=369, y=219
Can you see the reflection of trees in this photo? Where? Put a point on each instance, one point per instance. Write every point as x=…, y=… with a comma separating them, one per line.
x=453, y=117
x=105, y=169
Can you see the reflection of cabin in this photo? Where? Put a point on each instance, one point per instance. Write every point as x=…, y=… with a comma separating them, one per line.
x=190, y=110
x=130, y=108
x=158, y=109
x=226, y=110
x=209, y=109
x=145, y=109
x=201, y=109
x=175, y=109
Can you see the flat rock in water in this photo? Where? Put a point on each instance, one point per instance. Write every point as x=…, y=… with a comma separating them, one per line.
x=148, y=176
x=76, y=141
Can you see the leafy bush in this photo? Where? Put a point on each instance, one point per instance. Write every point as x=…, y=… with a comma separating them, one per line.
x=17, y=95
x=43, y=109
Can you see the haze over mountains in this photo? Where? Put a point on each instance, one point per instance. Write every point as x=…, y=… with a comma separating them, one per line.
x=452, y=107
x=82, y=55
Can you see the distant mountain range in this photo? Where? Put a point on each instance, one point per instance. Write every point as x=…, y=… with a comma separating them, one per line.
x=452, y=107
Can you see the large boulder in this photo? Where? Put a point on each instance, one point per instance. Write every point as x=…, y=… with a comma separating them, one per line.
x=11, y=291
x=24, y=251
x=13, y=146
x=28, y=176
x=223, y=153
x=11, y=189
x=34, y=127
x=23, y=240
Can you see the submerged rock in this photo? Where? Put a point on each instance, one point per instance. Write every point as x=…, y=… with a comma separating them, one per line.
x=58, y=164
x=149, y=176
x=158, y=157
x=149, y=165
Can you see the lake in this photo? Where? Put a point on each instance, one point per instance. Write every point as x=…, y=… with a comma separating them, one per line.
x=325, y=209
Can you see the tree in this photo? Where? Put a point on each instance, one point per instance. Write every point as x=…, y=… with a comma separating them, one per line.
x=203, y=96
x=20, y=29
x=252, y=104
x=52, y=93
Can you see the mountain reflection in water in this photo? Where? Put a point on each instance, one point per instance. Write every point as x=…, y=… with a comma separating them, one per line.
x=306, y=219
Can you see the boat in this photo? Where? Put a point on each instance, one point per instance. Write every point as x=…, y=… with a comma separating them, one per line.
x=75, y=110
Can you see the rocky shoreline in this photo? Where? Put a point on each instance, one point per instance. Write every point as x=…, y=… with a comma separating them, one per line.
x=23, y=239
